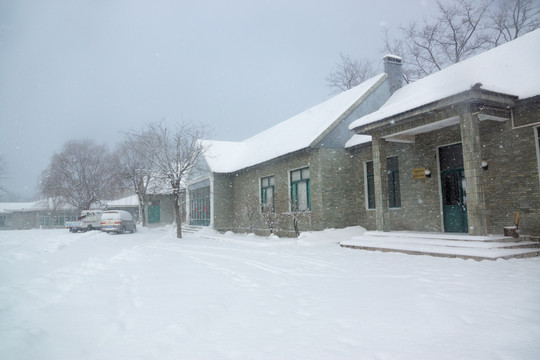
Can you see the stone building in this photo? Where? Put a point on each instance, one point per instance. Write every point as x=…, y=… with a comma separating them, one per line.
x=457, y=151
x=298, y=169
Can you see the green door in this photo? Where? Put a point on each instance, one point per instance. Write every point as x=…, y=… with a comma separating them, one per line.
x=454, y=189
x=200, y=206
x=454, y=201
x=154, y=214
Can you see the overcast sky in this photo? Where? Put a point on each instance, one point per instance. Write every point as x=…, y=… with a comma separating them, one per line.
x=72, y=69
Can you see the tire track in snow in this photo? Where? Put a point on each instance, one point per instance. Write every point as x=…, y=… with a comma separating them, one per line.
x=280, y=264
x=52, y=287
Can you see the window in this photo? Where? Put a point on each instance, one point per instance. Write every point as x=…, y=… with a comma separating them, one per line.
x=370, y=184
x=538, y=148
x=300, y=190
x=199, y=207
x=394, y=192
x=267, y=194
x=44, y=220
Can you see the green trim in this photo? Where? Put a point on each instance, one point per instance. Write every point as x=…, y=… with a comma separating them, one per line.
x=394, y=193
x=266, y=184
x=394, y=185
x=302, y=178
x=370, y=181
x=154, y=214
x=199, y=206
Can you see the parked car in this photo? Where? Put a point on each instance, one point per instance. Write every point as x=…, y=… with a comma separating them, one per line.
x=117, y=221
x=89, y=220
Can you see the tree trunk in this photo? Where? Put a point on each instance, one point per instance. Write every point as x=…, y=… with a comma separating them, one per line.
x=142, y=206
x=295, y=224
x=178, y=214
x=143, y=214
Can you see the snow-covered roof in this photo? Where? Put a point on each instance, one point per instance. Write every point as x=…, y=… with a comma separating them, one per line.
x=299, y=132
x=512, y=68
x=9, y=207
x=358, y=139
x=132, y=200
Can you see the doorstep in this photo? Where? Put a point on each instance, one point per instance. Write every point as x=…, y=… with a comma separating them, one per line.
x=490, y=247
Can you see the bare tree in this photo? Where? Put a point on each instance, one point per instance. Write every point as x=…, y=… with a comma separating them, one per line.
x=135, y=170
x=53, y=196
x=514, y=18
x=173, y=155
x=270, y=217
x=251, y=211
x=349, y=73
x=82, y=174
x=461, y=29
x=295, y=212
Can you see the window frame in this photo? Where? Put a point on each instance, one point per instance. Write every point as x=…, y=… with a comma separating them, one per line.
x=370, y=185
x=537, y=144
x=44, y=220
x=263, y=192
x=394, y=184
x=199, y=206
x=294, y=189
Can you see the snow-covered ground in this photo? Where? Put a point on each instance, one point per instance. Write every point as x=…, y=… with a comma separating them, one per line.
x=149, y=295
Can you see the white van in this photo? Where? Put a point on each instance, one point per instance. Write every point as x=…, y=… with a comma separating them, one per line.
x=89, y=220
x=118, y=221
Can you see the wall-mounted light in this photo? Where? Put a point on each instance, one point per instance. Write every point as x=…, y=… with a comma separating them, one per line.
x=484, y=164
x=427, y=172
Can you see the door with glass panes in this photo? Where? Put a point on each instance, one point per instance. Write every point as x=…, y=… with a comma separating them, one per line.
x=454, y=188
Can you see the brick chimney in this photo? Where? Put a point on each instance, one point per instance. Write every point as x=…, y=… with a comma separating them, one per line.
x=392, y=68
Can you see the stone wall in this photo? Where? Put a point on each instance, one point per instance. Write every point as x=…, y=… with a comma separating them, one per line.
x=222, y=193
x=334, y=200
x=337, y=186
x=247, y=195
x=511, y=181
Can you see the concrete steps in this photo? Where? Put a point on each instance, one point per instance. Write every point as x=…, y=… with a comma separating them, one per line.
x=491, y=247
x=191, y=229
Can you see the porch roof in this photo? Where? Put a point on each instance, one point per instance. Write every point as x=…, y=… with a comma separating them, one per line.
x=511, y=68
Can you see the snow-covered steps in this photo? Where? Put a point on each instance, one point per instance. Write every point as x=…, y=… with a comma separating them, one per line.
x=490, y=247
x=191, y=229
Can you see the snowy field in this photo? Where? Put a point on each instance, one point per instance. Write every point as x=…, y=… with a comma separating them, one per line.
x=149, y=295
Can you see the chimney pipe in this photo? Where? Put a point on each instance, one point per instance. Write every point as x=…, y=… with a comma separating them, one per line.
x=392, y=68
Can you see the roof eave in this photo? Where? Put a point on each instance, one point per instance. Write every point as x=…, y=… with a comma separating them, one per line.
x=469, y=96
